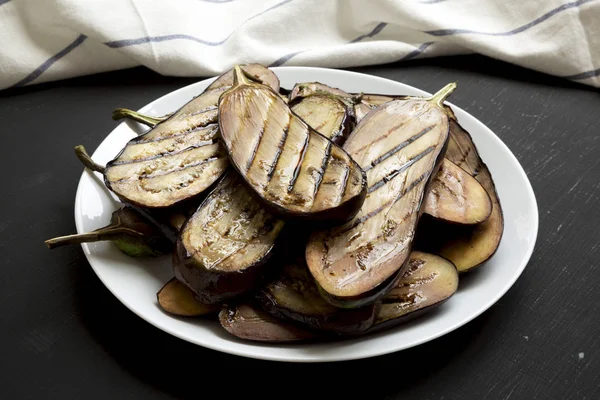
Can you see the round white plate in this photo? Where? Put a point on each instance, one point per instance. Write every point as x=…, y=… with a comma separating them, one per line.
x=135, y=282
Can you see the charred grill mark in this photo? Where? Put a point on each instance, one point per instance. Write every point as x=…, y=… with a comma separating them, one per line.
x=382, y=137
x=373, y=213
x=344, y=181
x=280, y=147
x=300, y=161
x=260, y=136
x=167, y=153
x=399, y=147
x=148, y=177
x=322, y=170
x=397, y=171
x=208, y=125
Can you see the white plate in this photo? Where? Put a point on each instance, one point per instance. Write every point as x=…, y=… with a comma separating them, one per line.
x=135, y=282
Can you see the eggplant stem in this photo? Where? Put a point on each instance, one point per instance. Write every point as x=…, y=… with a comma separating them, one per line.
x=442, y=94
x=239, y=77
x=121, y=113
x=86, y=160
x=107, y=233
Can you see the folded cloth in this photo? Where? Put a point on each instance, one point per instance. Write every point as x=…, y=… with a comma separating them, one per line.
x=44, y=40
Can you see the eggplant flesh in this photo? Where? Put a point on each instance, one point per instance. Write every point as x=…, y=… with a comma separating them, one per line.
x=470, y=246
x=296, y=171
x=179, y=157
x=455, y=196
x=325, y=114
x=400, y=146
x=223, y=247
x=310, y=88
x=177, y=299
x=294, y=296
x=249, y=322
x=429, y=281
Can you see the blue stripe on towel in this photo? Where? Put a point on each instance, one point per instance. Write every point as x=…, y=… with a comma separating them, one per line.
x=549, y=14
x=416, y=52
x=115, y=44
x=584, y=75
x=287, y=57
x=431, y=1
x=49, y=62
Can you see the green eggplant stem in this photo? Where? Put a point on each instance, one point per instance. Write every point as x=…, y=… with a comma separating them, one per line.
x=120, y=113
x=107, y=233
x=239, y=77
x=86, y=160
x=442, y=94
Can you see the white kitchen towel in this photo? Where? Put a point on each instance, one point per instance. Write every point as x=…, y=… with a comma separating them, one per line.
x=44, y=40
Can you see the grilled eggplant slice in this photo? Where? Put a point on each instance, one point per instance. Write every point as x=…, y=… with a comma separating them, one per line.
x=296, y=171
x=177, y=299
x=130, y=231
x=249, y=322
x=455, y=196
x=467, y=247
x=400, y=145
x=294, y=296
x=325, y=114
x=179, y=157
x=429, y=281
x=309, y=88
x=223, y=247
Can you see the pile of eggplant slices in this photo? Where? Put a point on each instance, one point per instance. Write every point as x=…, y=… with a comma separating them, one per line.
x=302, y=214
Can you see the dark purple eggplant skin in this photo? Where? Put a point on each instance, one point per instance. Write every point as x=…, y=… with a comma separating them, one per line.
x=295, y=278
x=213, y=286
x=337, y=215
x=258, y=326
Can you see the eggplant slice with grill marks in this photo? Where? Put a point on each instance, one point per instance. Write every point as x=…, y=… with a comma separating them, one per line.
x=326, y=114
x=294, y=296
x=455, y=196
x=469, y=246
x=400, y=146
x=247, y=321
x=177, y=299
x=429, y=281
x=179, y=157
x=294, y=170
x=223, y=248
x=306, y=89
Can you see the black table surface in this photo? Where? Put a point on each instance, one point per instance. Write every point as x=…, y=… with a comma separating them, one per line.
x=64, y=335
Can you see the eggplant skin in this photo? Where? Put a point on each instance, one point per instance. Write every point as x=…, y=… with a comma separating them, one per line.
x=467, y=247
x=180, y=157
x=247, y=321
x=309, y=88
x=296, y=172
x=221, y=266
x=177, y=299
x=293, y=296
x=429, y=282
x=401, y=145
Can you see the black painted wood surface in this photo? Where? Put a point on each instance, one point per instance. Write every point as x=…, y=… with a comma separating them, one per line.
x=63, y=335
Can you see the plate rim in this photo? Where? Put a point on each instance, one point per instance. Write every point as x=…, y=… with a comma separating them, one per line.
x=338, y=357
